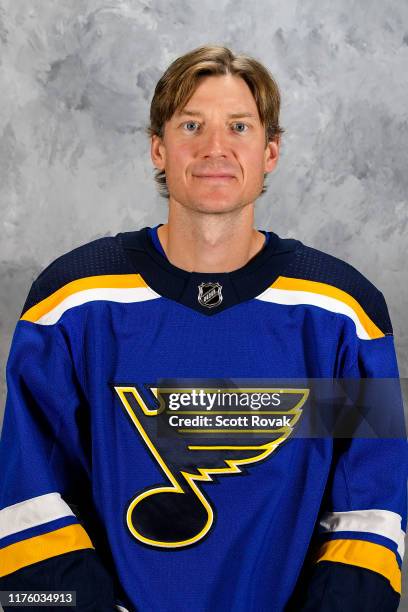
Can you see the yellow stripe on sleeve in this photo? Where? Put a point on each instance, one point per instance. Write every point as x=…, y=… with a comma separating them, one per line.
x=297, y=284
x=32, y=550
x=105, y=281
x=365, y=554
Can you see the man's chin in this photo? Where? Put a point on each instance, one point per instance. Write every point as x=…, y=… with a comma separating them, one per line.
x=211, y=202
x=215, y=206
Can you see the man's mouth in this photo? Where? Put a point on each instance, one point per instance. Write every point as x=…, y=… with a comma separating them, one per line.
x=215, y=177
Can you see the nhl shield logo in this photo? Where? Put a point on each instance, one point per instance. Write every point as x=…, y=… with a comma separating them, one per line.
x=209, y=294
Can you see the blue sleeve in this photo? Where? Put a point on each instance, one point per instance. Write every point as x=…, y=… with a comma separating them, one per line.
x=356, y=557
x=46, y=527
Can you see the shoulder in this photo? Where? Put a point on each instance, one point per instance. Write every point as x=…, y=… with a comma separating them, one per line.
x=334, y=283
x=317, y=266
x=81, y=267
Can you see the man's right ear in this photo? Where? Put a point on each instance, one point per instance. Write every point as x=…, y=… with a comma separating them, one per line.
x=158, y=152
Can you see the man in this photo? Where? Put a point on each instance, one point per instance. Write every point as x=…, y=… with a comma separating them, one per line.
x=126, y=475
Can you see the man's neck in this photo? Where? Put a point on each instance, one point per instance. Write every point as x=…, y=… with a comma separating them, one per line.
x=199, y=242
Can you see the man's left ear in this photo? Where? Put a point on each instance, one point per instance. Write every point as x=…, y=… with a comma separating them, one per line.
x=271, y=155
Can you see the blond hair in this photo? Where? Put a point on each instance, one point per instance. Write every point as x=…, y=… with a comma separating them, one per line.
x=180, y=80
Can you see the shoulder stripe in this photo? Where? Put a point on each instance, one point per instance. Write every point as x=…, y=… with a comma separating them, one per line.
x=124, y=288
x=374, y=557
x=32, y=512
x=382, y=522
x=294, y=291
x=58, y=542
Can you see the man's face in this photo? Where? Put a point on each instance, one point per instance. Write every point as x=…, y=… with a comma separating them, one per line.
x=213, y=151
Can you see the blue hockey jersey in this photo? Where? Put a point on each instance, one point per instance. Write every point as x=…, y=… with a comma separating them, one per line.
x=102, y=495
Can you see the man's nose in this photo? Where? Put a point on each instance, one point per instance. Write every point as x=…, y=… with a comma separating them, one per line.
x=214, y=143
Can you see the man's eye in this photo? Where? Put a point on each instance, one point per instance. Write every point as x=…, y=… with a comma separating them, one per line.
x=242, y=127
x=188, y=125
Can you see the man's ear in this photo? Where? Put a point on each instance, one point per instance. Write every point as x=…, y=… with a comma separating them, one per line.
x=158, y=152
x=271, y=154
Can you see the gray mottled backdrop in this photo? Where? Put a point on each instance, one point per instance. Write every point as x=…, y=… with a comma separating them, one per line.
x=76, y=79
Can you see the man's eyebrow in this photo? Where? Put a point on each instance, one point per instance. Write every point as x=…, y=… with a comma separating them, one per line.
x=195, y=113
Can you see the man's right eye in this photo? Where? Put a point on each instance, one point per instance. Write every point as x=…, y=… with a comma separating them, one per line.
x=188, y=125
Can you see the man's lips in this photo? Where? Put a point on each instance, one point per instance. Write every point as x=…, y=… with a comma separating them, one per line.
x=214, y=176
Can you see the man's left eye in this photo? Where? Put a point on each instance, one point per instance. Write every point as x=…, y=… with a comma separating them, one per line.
x=240, y=127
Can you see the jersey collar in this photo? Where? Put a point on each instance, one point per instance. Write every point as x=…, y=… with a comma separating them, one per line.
x=213, y=292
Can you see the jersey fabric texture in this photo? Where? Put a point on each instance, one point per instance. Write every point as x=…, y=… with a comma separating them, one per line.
x=318, y=524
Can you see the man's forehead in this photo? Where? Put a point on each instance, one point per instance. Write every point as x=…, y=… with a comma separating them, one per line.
x=192, y=112
x=227, y=91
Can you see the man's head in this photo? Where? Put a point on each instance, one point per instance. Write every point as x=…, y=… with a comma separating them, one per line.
x=214, y=113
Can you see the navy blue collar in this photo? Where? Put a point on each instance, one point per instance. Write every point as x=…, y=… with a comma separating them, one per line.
x=154, y=237
x=228, y=288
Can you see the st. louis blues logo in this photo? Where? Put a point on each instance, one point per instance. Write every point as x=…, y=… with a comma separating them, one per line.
x=193, y=442
x=210, y=294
